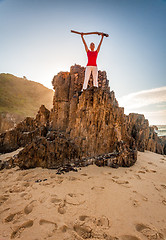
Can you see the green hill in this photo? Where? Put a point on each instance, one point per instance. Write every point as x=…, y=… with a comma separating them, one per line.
x=22, y=97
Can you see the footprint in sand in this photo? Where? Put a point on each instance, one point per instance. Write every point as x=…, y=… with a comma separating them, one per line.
x=28, y=209
x=13, y=217
x=26, y=195
x=102, y=221
x=82, y=231
x=84, y=174
x=129, y=237
x=152, y=170
x=3, y=198
x=55, y=200
x=150, y=232
x=141, y=171
x=74, y=199
x=115, y=177
x=98, y=188
x=26, y=184
x=138, y=176
x=44, y=222
x=17, y=189
x=49, y=227
x=151, y=163
x=17, y=232
x=91, y=227
x=62, y=207
x=124, y=183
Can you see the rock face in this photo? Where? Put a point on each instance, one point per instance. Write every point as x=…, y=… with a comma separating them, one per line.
x=25, y=132
x=155, y=143
x=52, y=151
x=81, y=128
x=145, y=137
x=66, y=86
x=138, y=128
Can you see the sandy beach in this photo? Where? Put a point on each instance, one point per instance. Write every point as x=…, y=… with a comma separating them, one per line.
x=93, y=203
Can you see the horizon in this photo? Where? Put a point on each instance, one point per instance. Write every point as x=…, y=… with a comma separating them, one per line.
x=37, y=43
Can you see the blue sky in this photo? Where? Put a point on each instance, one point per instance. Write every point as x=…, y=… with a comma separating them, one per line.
x=36, y=42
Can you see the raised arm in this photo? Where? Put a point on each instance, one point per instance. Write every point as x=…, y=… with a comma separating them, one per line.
x=98, y=48
x=86, y=47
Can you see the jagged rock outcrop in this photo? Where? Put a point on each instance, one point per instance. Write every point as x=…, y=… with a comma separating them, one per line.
x=155, y=143
x=145, y=136
x=93, y=120
x=138, y=128
x=66, y=85
x=163, y=141
x=25, y=132
x=81, y=128
x=52, y=151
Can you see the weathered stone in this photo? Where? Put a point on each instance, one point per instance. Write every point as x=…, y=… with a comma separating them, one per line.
x=25, y=132
x=52, y=151
x=155, y=143
x=145, y=136
x=138, y=128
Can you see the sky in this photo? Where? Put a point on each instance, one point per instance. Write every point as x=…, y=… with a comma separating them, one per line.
x=36, y=42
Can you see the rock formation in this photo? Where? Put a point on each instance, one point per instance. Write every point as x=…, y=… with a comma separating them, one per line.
x=81, y=128
x=145, y=136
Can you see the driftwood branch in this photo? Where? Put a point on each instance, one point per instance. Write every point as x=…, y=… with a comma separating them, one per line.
x=88, y=33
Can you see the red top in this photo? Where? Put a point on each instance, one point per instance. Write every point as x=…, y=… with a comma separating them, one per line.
x=92, y=57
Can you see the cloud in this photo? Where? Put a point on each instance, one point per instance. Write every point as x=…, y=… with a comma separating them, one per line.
x=151, y=103
x=143, y=98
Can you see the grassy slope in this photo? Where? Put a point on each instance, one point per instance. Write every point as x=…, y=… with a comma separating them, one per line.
x=21, y=96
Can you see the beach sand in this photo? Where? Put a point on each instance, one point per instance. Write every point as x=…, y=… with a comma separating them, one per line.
x=93, y=203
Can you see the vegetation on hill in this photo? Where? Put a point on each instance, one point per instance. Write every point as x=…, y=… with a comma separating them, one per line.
x=21, y=96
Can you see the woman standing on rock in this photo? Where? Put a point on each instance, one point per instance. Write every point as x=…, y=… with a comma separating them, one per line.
x=91, y=65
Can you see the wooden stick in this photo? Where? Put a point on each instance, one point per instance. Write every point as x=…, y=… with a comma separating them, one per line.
x=99, y=33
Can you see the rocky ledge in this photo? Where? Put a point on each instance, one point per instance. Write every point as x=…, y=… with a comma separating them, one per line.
x=80, y=129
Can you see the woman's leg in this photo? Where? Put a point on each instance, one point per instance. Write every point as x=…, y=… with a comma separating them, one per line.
x=95, y=76
x=87, y=75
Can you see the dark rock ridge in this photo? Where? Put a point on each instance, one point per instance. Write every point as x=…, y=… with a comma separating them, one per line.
x=80, y=129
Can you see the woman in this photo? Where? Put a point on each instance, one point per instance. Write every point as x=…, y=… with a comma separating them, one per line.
x=91, y=65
